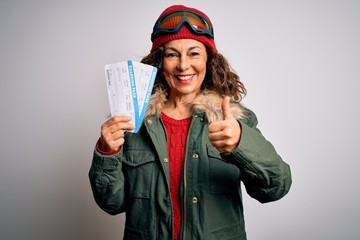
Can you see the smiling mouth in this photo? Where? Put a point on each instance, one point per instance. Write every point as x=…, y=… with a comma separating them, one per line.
x=184, y=77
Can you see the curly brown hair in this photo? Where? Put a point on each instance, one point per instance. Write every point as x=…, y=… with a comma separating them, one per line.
x=220, y=77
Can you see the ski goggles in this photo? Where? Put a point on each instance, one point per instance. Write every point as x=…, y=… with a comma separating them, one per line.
x=172, y=23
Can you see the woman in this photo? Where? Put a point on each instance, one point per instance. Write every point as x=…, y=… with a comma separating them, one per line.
x=179, y=176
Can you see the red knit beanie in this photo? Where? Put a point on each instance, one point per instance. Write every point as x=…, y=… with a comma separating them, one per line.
x=184, y=32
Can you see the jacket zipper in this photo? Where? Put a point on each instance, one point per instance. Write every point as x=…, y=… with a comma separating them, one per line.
x=185, y=160
x=184, y=206
x=171, y=208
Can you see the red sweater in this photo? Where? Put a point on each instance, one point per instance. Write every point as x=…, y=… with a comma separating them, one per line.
x=177, y=131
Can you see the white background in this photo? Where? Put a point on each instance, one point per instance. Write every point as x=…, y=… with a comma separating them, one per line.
x=298, y=59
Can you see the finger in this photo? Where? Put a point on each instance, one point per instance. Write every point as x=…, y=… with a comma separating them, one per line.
x=119, y=126
x=215, y=127
x=116, y=119
x=216, y=136
x=222, y=138
x=223, y=145
x=112, y=141
x=112, y=146
x=120, y=118
x=221, y=126
x=219, y=145
x=116, y=135
x=225, y=106
x=115, y=124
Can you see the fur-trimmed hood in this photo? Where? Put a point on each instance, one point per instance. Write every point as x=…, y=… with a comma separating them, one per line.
x=208, y=101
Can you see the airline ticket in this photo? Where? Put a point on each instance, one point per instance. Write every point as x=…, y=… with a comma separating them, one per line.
x=129, y=86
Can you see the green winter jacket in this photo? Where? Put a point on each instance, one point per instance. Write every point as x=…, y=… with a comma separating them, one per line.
x=136, y=181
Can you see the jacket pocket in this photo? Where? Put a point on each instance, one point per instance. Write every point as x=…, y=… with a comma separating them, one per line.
x=131, y=234
x=231, y=232
x=138, y=171
x=224, y=176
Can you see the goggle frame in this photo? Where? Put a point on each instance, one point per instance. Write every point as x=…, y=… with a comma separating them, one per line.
x=157, y=30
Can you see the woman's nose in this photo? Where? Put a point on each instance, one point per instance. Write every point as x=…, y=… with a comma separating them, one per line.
x=183, y=63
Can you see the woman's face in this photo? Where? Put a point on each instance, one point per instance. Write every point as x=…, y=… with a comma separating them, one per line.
x=184, y=66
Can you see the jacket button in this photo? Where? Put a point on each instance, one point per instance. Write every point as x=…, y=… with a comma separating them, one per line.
x=149, y=121
x=166, y=160
x=195, y=155
x=194, y=200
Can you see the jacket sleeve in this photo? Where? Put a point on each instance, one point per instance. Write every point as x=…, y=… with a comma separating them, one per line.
x=265, y=175
x=107, y=182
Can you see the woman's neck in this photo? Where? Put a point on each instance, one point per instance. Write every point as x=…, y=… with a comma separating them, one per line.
x=178, y=108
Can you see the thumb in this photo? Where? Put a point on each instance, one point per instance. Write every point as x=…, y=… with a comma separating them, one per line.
x=226, y=108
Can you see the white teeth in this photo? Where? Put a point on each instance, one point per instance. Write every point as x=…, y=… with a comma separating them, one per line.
x=184, y=78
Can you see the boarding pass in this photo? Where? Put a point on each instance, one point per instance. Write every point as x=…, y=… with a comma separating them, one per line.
x=129, y=86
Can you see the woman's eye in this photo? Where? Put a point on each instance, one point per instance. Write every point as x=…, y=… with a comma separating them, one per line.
x=171, y=55
x=194, y=54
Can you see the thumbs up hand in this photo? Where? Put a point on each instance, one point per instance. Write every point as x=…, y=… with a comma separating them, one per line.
x=225, y=135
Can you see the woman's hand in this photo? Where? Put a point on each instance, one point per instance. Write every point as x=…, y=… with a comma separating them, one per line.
x=113, y=133
x=225, y=135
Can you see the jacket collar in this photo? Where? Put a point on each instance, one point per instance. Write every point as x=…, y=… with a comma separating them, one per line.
x=207, y=101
